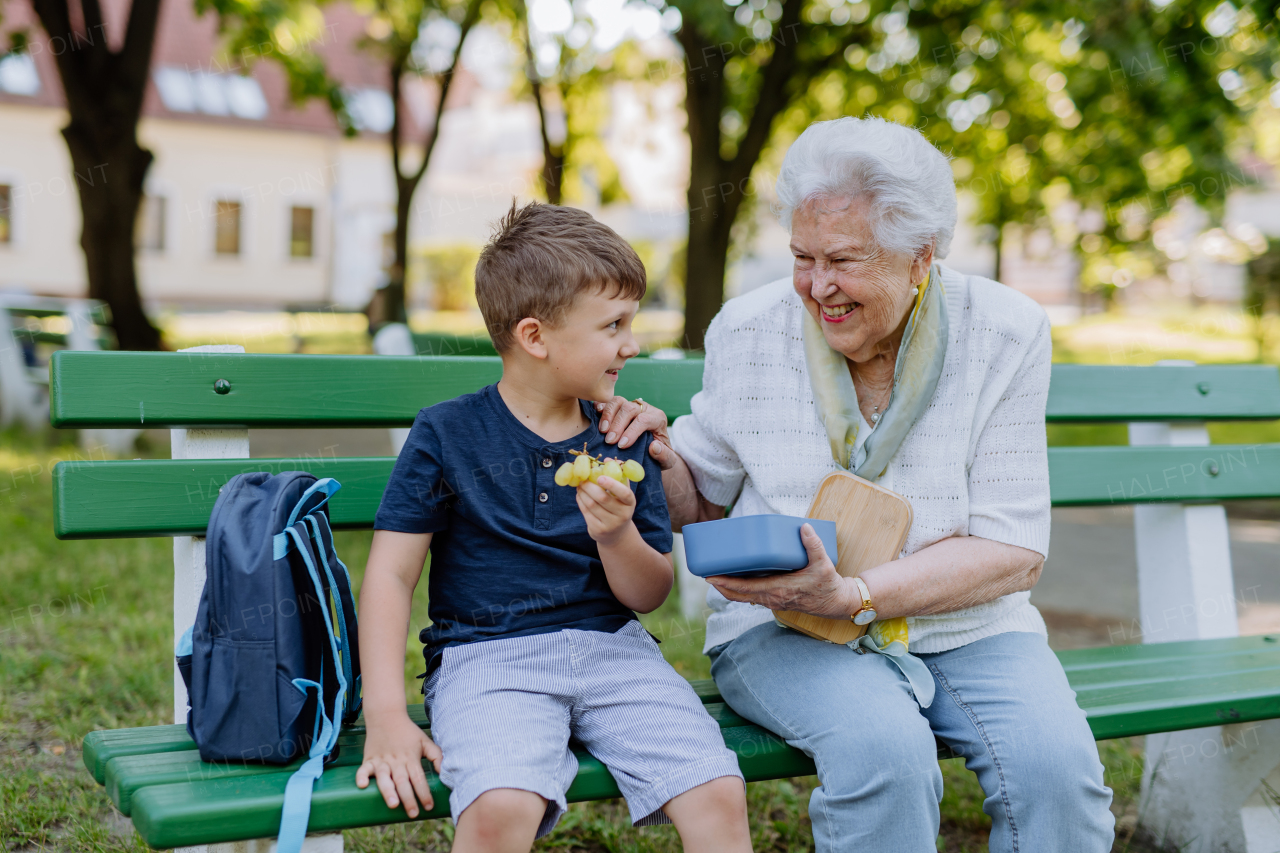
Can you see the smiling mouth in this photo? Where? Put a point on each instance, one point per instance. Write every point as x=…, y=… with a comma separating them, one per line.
x=838, y=310
x=613, y=372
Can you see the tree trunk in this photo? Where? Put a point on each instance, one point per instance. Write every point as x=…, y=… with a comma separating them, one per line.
x=718, y=186
x=708, y=231
x=552, y=155
x=707, y=253
x=104, y=91
x=388, y=305
x=395, y=294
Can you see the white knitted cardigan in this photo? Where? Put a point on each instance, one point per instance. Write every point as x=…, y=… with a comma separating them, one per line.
x=974, y=463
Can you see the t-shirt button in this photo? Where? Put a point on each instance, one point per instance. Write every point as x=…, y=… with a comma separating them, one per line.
x=543, y=497
x=546, y=463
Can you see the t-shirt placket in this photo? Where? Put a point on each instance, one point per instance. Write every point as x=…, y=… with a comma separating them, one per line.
x=544, y=481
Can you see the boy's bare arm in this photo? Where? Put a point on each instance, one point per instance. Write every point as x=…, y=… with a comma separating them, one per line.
x=639, y=575
x=394, y=746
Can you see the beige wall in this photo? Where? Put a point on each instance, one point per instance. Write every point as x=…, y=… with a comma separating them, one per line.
x=44, y=254
x=197, y=164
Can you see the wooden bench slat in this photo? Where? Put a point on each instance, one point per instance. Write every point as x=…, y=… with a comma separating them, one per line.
x=130, y=389
x=236, y=808
x=174, y=497
x=1080, y=393
x=105, y=744
x=126, y=774
x=146, y=389
x=164, y=497
x=1080, y=476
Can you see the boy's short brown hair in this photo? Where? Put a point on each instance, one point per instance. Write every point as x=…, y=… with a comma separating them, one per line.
x=540, y=257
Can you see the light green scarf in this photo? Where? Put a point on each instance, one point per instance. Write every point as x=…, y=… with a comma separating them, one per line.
x=915, y=377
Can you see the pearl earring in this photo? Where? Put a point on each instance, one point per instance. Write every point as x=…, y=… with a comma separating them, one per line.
x=915, y=291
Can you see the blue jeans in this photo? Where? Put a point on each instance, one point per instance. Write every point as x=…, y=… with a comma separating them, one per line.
x=1002, y=703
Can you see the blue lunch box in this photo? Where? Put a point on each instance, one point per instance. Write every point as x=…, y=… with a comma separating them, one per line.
x=752, y=545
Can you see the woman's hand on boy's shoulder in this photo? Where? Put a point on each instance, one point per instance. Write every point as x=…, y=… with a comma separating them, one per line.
x=623, y=421
x=393, y=753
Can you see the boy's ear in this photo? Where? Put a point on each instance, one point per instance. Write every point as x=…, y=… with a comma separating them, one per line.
x=529, y=337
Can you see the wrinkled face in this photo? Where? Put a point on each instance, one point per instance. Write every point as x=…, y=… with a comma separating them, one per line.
x=859, y=294
x=591, y=345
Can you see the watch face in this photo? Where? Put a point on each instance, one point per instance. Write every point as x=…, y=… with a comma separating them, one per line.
x=864, y=617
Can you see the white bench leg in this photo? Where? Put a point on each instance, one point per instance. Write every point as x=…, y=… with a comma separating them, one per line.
x=188, y=583
x=1202, y=789
x=188, y=551
x=693, y=589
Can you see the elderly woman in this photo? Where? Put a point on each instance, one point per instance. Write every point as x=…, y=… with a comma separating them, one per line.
x=875, y=359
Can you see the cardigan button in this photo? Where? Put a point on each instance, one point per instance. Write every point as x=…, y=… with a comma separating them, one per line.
x=542, y=498
x=546, y=463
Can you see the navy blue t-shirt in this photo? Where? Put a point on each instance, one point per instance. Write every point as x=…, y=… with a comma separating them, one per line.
x=510, y=554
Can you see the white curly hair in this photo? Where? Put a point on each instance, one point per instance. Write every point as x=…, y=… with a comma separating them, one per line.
x=904, y=178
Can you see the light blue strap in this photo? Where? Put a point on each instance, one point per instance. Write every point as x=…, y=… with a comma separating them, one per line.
x=344, y=643
x=184, y=645
x=280, y=545
x=328, y=485
x=340, y=701
x=297, y=792
x=324, y=522
x=913, y=669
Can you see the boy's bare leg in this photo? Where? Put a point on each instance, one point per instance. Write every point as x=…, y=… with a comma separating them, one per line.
x=712, y=818
x=504, y=820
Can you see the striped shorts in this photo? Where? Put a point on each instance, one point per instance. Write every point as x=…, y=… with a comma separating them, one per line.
x=503, y=712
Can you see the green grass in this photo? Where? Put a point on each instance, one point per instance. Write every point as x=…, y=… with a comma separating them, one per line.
x=85, y=640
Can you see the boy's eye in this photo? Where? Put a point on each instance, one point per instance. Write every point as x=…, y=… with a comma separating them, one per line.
x=614, y=325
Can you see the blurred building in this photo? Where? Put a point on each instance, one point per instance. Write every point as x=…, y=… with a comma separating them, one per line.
x=251, y=200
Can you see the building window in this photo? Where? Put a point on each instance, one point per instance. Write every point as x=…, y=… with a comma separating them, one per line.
x=226, y=227
x=149, y=233
x=6, y=213
x=301, y=221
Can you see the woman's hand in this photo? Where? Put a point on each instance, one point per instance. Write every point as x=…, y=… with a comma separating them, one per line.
x=624, y=422
x=817, y=589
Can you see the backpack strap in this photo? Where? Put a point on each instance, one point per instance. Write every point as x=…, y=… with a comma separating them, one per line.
x=328, y=486
x=297, y=792
x=345, y=606
x=297, y=802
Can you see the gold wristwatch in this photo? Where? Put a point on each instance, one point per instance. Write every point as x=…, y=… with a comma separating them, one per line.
x=866, y=614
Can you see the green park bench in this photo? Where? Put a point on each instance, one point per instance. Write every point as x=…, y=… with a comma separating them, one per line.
x=1205, y=677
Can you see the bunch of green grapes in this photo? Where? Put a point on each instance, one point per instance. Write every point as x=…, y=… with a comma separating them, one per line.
x=588, y=468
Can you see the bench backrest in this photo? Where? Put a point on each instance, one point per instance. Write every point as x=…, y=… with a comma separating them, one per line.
x=95, y=499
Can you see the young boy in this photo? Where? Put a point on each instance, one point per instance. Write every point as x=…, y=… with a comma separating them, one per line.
x=532, y=585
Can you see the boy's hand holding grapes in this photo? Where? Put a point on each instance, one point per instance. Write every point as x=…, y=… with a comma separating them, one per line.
x=607, y=505
x=603, y=495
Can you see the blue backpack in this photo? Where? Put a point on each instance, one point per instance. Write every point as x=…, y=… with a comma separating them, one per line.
x=271, y=664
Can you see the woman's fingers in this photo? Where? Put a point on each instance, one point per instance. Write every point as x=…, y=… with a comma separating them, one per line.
x=663, y=455
x=624, y=421
x=813, y=544
x=609, y=410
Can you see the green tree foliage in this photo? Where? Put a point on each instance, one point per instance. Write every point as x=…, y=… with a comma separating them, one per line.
x=569, y=78
x=1117, y=107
